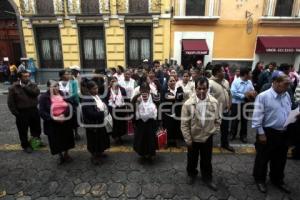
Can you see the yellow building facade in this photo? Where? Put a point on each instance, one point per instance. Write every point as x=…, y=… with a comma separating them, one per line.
x=107, y=33
x=76, y=23
x=231, y=29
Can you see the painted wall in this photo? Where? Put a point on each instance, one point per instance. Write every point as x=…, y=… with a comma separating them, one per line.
x=231, y=40
x=114, y=35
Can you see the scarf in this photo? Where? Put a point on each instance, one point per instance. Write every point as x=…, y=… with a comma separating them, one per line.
x=115, y=100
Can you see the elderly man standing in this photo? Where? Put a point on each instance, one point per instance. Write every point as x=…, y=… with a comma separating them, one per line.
x=271, y=111
x=22, y=102
x=220, y=89
x=200, y=121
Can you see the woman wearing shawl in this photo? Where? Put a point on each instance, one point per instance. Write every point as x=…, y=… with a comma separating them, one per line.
x=116, y=105
x=55, y=111
x=145, y=123
x=94, y=112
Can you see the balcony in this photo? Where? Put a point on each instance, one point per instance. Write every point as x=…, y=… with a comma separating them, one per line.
x=139, y=7
x=42, y=8
x=208, y=10
x=88, y=7
x=281, y=12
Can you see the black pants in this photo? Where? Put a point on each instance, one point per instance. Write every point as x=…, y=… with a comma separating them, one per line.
x=28, y=118
x=273, y=153
x=224, y=130
x=237, y=111
x=205, y=150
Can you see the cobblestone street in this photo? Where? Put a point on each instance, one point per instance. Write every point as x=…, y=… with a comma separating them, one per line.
x=123, y=176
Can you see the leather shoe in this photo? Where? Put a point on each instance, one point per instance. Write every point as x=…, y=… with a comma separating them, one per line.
x=261, y=187
x=190, y=180
x=283, y=187
x=211, y=185
x=28, y=150
x=244, y=140
x=229, y=148
x=232, y=137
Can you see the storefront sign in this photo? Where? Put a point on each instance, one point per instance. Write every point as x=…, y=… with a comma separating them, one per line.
x=196, y=52
x=282, y=50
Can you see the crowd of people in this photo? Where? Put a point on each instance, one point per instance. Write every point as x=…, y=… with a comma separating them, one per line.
x=191, y=104
x=9, y=70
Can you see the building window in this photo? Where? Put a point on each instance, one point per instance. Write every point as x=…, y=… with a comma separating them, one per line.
x=138, y=6
x=139, y=45
x=45, y=7
x=49, y=47
x=90, y=7
x=92, y=47
x=195, y=8
x=284, y=8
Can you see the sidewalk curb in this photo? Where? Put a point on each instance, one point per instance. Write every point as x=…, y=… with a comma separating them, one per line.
x=246, y=149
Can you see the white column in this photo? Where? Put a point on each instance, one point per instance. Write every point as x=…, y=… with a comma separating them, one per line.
x=211, y=8
x=271, y=7
x=182, y=7
x=149, y=6
x=297, y=62
x=255, y=60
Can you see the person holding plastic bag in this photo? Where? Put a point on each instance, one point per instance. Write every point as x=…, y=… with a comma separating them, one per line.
x=145, y=124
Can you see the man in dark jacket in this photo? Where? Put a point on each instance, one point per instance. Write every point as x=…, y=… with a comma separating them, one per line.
x=22, y=102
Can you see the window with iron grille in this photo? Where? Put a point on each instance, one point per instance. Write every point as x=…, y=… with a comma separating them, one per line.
x=138, y=6
x=44, y=7
x=49, y=47
x=92, y=47
x=284, y=8
x=90, y=7
x=195, y=8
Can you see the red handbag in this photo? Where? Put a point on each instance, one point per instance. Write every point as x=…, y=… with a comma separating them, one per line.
x=130, y=130
x=162, y=138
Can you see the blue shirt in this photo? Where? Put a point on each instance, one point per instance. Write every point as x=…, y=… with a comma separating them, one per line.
x=238, y=90
x=271, y=110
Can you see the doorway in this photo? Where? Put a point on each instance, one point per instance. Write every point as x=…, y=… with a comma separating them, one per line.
x=188, y=60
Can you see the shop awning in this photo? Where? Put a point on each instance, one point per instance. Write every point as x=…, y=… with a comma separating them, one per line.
x=278, y=44
x=195, y=47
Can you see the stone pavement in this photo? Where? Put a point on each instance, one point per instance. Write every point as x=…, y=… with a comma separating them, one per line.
x=124, y=176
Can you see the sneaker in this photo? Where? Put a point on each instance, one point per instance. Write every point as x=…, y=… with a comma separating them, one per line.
x=28, y=150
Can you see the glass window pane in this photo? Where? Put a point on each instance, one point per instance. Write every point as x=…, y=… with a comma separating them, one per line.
x=145, y=49
x=46, y=54
x=195, y=8
x=284, y=8
x=88, y=49
x=99, y=48
x=56, y=50
x=133, y=49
